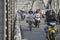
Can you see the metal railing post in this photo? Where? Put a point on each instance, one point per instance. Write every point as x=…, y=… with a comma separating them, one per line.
x=21, y=32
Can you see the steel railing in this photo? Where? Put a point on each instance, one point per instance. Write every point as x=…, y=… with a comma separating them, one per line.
x=17, y=31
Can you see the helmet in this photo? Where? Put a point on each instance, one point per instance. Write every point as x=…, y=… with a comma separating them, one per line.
x=37, y=10
x=30, y=12
x=52, y=12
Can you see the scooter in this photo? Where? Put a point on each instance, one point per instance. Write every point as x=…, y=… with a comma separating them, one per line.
x=52, y=30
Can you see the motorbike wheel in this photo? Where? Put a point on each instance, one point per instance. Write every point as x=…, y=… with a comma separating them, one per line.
x=35, y=23
x=52, y=37
x=38, y=25
x=30, y=26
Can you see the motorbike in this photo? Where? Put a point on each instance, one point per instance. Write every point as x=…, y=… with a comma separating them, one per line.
x=52, y=30
x=37, y=22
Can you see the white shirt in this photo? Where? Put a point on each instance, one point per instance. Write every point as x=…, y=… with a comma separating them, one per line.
x=37, y=16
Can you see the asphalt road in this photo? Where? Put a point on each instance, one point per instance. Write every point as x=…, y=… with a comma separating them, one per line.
x=36, y=33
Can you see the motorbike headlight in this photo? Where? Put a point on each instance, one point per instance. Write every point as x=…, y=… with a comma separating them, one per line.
x=53, y=31
x=52, y=23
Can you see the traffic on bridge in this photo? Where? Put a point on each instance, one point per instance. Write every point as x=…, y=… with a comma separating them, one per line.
x=34, y=20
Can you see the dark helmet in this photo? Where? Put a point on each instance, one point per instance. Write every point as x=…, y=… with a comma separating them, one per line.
x=30, y=12
x=52, y=12
x=37, y=11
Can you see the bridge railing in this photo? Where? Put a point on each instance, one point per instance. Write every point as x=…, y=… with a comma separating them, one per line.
x=17, y=31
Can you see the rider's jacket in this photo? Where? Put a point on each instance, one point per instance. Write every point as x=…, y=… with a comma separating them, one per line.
x=50, y=16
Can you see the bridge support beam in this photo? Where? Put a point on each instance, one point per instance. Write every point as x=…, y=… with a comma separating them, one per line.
x=9, y=10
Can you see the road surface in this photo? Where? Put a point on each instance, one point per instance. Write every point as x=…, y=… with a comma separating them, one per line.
x=36, y=33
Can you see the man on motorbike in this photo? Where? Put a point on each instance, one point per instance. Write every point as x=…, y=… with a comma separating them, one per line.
x=37, y=19
x=30, y=16
x=50, y=18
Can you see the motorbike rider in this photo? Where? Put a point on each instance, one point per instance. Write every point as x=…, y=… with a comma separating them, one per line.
x=50, y=18
x=30, y=19
x=30, y=16
x=37, y=18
